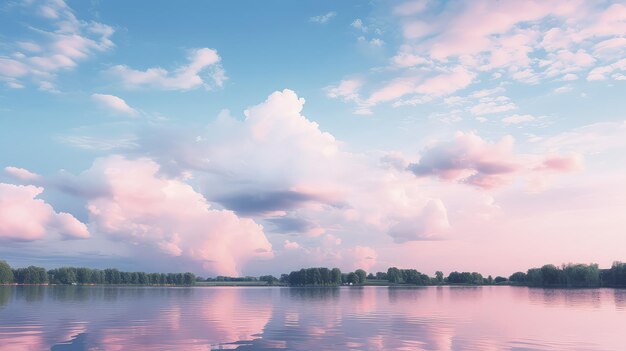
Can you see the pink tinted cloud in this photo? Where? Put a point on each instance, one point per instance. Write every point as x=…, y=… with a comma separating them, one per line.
x=72, y=40
x=525, y=42
x=21, y=174
x=561, y=163
x=431, y=224
x=23, y=217
x=472, y=160
x=169, y=218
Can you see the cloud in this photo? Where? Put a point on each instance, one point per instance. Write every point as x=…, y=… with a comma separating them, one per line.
x=114, y=104
x=323, y=18
x=447, y=83
x=23, y=217
x=161, y=217
x=471, y=160
x=359, y=257
x=347, y=89
x=468, y=159
x=21, y=174
x=203, y=70
x=70, y=41
x=274, y=166
x=273, y=174
x=563, y=89
x=291, y=245
x=358, y=24
x=491, y=105
x=265, y=202
x=452, y=46
x=600, y=73
x=431, y=224
x=562, y=163
x=518, y=119
x=409, y=8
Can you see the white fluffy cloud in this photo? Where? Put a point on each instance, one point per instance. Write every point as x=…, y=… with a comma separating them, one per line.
x=114, y=103
x=203, y=70
x=278, y=167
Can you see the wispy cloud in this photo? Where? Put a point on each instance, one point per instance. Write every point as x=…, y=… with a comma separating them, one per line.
x=203, y=70
x=114, y=104
x=323, y=18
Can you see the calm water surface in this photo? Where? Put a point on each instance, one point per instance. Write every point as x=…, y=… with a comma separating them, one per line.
x=365, y=318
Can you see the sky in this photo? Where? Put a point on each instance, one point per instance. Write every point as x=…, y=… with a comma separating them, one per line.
x=244, y=138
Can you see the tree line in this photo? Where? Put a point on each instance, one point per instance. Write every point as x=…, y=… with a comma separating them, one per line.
x=572, y=276
x=322, y=276
x=82, y=275
x=568, y=275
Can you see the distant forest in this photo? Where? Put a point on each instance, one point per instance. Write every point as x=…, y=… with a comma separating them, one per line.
x=568, y=275
x=85, y=276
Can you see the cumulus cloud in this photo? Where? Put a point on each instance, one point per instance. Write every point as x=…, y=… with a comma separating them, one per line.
x=472, y=160
x=114, y=103
x=23, y=217
x=68, y=42
x=165, y=217
x=277, y=166
x=203, y=70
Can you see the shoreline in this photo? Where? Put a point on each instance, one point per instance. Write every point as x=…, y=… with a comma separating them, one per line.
x=392, y=286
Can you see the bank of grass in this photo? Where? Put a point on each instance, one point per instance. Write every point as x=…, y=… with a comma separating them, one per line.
x=376, y=282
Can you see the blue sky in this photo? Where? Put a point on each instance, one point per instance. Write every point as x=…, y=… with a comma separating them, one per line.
x=374, y=130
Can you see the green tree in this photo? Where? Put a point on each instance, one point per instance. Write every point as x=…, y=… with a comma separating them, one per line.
x=439, y=277
x=189, y=279
x=394, y=275
x=6, y=274
x=336, y=276
x=518, y=277
x=362, y=275
x=353, y=278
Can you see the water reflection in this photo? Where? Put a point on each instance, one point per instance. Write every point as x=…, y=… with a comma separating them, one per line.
x=586, y=298
x=5, y=295
x=366, y=318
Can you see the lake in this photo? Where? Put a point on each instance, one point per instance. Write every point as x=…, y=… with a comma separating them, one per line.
x=347, y=318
